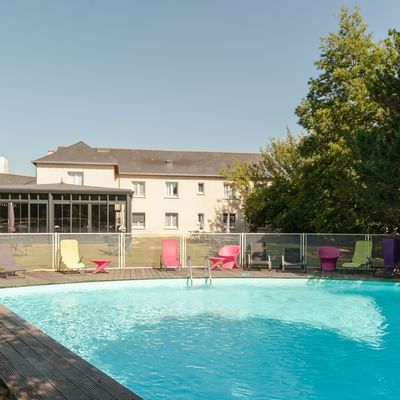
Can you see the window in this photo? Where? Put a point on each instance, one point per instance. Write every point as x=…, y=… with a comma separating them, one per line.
x=99, y=217
x=62, y=217
x=172, y=189
x=38, y=217
x=200, y=188
x=229, y=191
x=200, y=219
x=138, y=220
x=171, y=220
x=139, y=189
x=75, y=178
x=229, y=221
x=80, y=217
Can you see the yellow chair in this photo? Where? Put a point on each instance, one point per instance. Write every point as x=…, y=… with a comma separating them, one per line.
x=69, y=256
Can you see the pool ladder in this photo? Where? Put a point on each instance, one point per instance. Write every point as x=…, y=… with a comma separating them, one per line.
x=207, y=272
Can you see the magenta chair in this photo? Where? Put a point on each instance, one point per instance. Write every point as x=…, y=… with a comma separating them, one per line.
x=227, y=257
x=170, y=258
x=328, y=256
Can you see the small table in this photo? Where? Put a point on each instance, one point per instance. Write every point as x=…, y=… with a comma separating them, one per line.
x=217, y=262
x=101, y=266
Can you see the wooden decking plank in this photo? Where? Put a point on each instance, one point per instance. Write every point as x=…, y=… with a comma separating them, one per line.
x=55, y=352
x=52, y=277
x=69, y=361
x=154, y=273
x=30, y=350
x=128, y=273
x=53, y=373
x=22, y=379
x=21, y=389
x=49, y=362
x=145, y=274
x=139, y=273
x=149, y=273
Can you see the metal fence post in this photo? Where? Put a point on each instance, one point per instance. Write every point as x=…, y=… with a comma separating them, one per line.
x=305, y=248
x=183, y=242
x=56, y=250
x=242, y=249
x=122, y=250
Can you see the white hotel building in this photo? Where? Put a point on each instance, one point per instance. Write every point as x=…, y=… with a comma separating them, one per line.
x=79, y=188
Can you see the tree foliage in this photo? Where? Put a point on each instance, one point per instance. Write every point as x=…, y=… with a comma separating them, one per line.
x=261, y=186
x=341, y=175
x=378, y=149
x=338, y=102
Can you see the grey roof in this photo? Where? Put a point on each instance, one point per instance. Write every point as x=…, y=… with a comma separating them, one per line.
x=79, y=153
x=60, y=187
x=150, y=162
x=13, y=179
x=168, y=162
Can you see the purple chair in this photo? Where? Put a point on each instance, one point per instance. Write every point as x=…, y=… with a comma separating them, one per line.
x=328, y=256
x=391, y=254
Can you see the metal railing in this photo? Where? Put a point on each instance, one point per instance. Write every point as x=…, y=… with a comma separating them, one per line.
x=207, y=272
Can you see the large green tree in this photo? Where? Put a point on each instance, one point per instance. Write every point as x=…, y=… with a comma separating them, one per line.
x=269, y=188
x=378, y=148
x=337, y=107
x=341, y=175
x=338, y=102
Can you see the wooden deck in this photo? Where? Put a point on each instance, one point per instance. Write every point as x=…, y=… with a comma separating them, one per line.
x=51, y=277
x=33, y=366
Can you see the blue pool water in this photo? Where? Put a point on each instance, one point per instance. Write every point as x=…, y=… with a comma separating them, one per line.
x=239, y=339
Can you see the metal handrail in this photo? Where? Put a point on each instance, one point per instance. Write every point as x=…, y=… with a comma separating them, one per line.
x=207, y=272
x=190, y=272
x=207, y=268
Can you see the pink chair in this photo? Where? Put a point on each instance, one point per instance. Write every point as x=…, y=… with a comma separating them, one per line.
x=227, y=258
x=170, y=258
x=328, y=256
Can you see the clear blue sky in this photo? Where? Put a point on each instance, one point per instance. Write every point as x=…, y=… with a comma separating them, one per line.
x=221, y=75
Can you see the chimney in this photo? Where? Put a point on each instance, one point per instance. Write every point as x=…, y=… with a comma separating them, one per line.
x=3, y=165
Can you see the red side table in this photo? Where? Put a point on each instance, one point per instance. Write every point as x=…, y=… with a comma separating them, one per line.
x=216, y=262
x=101, y=266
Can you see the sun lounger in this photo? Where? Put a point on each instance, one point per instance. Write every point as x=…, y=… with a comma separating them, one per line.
x=8, y=265
x=70, y=260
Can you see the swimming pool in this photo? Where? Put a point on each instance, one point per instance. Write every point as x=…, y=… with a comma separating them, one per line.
x=238, y=339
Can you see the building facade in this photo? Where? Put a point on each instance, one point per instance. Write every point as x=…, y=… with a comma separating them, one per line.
x=33, y=208
x=151, y=191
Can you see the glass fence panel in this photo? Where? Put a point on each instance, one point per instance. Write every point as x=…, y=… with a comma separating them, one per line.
x=256, y=250
x=260, y=248
x=201, y=245
x=132, y=250
x=378, y=253
x=344, y=242
x=95, y=246
x=28, y=251
x=145, y=250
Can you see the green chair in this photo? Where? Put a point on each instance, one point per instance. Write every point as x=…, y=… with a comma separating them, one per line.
x=361, y=257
